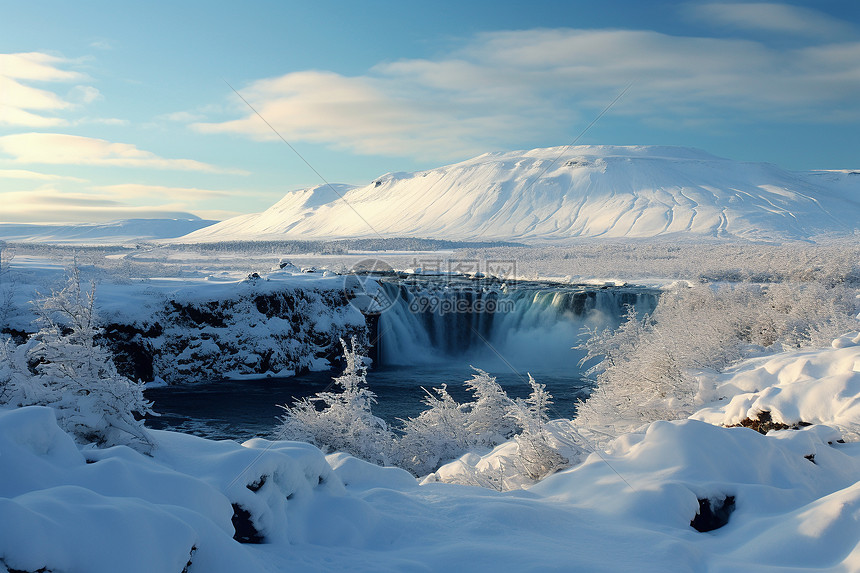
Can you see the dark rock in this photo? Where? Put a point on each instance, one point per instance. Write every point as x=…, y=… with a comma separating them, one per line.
x=713, y=513
x=763, y=423
x=243, y=525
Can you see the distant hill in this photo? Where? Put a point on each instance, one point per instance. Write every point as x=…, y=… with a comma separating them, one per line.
x=123, y=231
x=546, y=195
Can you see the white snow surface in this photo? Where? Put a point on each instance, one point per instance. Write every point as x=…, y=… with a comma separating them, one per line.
x=558, y=194
x=812, y=386
x=627, y=509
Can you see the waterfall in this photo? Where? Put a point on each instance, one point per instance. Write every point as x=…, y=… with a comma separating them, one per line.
x=527, y=326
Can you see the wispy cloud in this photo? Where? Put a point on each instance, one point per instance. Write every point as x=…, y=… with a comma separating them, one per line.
x=22, y=104
x=508, y=86
x=87, y=120
x=36, y=176
x=85, y=94
x=772, y=17
x=101, y=45
x=138, y=191
x=64, y=149
x=182, y=116
x=388, y=115
x=49, y=205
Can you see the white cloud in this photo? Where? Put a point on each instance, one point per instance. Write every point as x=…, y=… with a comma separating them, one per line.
x=35, y=176
x=87, y=120
x=85, y=94
x=509, y=85
x=364, y=114
x=49, y=205
x=182, y=116
x=772, y=17
x=36, y=66
x=137, y=191
x=64, y=149
x=101, y=45
x=22, y=104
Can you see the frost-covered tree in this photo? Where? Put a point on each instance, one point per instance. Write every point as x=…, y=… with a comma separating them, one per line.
x=649, y=368
x=61, y=366
x=537, y=456
x=342, y=421
x=486, y=415
x=446, y=430
x=436, y=435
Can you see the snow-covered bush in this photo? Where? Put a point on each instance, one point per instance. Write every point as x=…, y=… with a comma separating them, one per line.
x=61, y=366
x=648, y=367
x=346, y=422
x=447, y=429
x=487, y=417
x=541, y=448
x=535, y=454
x=438, y=434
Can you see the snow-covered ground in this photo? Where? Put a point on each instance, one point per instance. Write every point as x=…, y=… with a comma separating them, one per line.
x=559, y=195
x=795, y=496
x=630, y=507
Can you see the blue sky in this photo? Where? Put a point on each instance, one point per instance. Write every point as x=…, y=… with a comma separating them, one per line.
x=111, y=110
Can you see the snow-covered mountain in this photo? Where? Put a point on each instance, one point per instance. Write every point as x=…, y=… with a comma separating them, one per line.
x=586, y=191
x=126, y=230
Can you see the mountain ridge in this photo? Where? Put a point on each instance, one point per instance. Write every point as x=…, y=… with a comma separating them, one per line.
x=558, y=194
x=119, y=231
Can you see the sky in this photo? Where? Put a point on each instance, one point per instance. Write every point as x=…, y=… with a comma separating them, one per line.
x=112, y=110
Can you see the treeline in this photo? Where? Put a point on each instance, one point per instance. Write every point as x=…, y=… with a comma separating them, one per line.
x=832, y=262
x=338, y=247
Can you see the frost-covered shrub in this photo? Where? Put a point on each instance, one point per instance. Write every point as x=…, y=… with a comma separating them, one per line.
x=438, y=434
x=647, y=367
x=447, y=429
x=539, y=449
x=61, y=366
x=829, y=263
x=346, y=422
x=487, y=416
x=535, y=454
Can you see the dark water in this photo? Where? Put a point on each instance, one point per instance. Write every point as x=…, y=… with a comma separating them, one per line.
x=244, y=409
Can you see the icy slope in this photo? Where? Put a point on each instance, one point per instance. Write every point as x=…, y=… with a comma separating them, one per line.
x=125, y=230
x=587, y=191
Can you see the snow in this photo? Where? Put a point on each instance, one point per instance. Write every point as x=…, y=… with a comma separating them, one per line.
x=558, y=195
x=796, y=494
x=812, y=386
x=235, y=345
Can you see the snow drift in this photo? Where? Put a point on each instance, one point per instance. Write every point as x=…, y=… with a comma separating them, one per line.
x=555, y=194
x=794, y=496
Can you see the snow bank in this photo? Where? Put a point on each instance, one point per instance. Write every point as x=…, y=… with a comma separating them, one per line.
x=201, y=326
x=785, y=500
x=820, y=386
x=67, y=510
